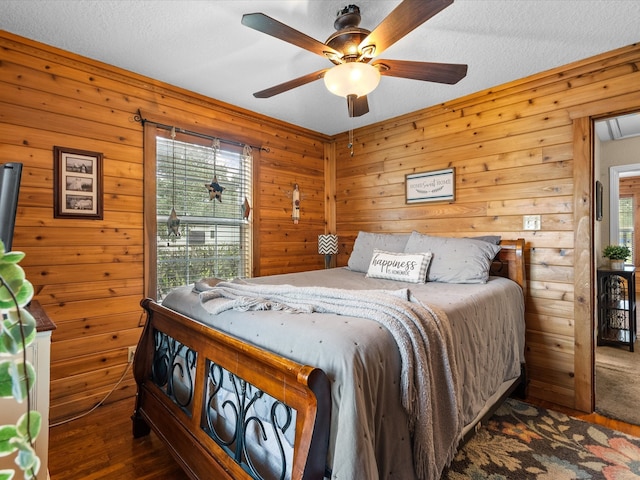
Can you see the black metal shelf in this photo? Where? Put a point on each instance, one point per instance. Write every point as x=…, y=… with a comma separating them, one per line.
x=617, y=307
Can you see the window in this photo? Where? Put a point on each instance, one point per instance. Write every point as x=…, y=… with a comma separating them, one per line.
x=626, y=220
x=214, y=236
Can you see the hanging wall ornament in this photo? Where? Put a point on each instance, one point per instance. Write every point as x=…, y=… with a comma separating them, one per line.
x=215, y=190
x=295, y=196
x=246, y=151
x=173, y=223
x=248, y=158
x=246, y=209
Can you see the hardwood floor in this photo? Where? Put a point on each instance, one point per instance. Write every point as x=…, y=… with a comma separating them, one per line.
x=100, y=446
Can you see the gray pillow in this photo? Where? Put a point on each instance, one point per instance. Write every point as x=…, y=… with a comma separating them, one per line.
x=366, y=242
x=495, y=239
x=455, y=260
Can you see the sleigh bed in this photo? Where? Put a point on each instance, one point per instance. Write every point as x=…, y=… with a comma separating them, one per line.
x=290, y=377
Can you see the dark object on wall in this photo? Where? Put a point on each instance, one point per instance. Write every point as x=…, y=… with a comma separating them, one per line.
x=10, y=175
x=598, y=200
x=77, y=186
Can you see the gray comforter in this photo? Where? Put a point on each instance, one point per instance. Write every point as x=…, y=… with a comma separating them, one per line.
x=371, y=430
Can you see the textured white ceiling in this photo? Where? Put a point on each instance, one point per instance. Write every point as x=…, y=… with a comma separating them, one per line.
x=201, y=46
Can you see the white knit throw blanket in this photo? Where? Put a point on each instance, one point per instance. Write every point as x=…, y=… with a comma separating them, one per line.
x=429, y=383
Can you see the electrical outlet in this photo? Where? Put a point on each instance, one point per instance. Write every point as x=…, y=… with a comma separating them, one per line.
x=132, y=353
x=531, y=222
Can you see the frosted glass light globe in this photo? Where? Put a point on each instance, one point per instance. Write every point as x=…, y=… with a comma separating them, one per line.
x=352, y=78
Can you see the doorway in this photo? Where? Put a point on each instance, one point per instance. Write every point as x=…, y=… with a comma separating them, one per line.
x=617, y=167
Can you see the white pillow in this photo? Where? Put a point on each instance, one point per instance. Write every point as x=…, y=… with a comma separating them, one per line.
x=365, y=243
x=455, y=260
x=406, y=267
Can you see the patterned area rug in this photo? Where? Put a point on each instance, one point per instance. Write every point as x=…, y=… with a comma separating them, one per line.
x=526, y=442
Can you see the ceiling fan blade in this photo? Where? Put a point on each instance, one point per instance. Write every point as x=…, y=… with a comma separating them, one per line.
x=449, y=73
x=357, y=106
x=270, y=26
x=296, y=82
x=402, y=20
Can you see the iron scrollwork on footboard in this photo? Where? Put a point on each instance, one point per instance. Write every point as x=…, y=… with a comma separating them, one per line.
x=173, y=370
x=226, y=408
x=255, y=429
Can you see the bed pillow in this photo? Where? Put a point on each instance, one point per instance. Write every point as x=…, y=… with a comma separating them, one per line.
x=495, y=239
x=406, y=267
x=366, y=242
x=455, y=260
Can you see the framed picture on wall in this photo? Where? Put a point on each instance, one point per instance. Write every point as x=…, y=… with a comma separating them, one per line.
x=77, y=187
x=599, y=191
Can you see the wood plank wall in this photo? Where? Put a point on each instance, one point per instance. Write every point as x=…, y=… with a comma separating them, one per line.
x=512, y=147
x=513, y=150
x=88, y=274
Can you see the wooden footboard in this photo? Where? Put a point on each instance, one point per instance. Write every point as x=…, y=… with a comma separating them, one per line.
x=181, y=367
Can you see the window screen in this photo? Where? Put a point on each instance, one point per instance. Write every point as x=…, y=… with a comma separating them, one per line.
x=214, y=237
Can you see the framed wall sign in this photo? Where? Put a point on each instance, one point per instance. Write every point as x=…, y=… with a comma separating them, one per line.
x=434, y=186
x=77, y=187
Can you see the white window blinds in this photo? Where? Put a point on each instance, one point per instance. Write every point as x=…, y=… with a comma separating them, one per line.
x=214, y=237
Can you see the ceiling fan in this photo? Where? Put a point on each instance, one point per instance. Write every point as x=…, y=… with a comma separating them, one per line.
x=352, y=50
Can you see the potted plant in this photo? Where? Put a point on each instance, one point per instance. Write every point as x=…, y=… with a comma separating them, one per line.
x=616, y=254
x=17, y=375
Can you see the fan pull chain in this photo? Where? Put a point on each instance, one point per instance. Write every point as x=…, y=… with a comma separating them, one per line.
x=351, y=110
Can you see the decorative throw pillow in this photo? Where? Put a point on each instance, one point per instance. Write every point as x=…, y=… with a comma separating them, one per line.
x=406, y=267
x=455, y=260
x=365, y=244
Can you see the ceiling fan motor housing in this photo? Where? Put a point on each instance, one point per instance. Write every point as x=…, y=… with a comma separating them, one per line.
x=348, y=36
x=349, y=16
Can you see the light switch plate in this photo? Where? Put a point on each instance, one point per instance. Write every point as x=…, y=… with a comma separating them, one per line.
x=531, y=222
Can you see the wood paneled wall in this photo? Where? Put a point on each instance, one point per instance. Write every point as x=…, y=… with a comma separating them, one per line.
x=520, y=148
x=88, y=274
x=516, y=149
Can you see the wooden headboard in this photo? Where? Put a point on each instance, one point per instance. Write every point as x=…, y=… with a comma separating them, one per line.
x=510, y=262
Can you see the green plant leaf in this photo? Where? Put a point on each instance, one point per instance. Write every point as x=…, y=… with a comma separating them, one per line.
x=7, y=434
x=13, y=276
x=20, y=326
x=23, y=296
x=27, y=459
x=12, y=257
x=12, y=379
x=6, y=382
x=22, y=371
x=29, y=425
x=7, y=474
x=8, y=345
x=11, y=340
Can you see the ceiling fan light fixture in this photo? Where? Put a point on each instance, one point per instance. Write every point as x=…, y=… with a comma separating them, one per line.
x=352, y=78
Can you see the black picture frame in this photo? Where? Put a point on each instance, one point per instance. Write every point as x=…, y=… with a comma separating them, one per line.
x=599, y=193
